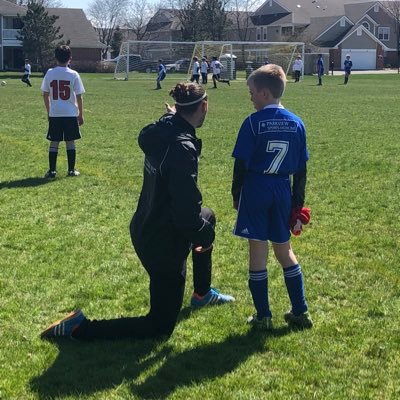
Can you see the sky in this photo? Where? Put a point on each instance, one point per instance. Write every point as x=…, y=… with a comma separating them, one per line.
x=76, y=3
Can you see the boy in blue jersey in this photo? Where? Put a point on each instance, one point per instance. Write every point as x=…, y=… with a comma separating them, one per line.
x=320, y=69
x=271, y=146
x=162, y=72
x=348, y=64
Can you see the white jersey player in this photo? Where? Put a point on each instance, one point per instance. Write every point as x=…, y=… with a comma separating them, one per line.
x=62, y=93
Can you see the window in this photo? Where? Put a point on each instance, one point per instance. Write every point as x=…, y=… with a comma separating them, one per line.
x=383, y=33
x=12, y=23
x=264, y=33
x=376, y=8
x=342, y=22
x=258, y=34
x=359, y=31
x=365, y=24
x=287, y=31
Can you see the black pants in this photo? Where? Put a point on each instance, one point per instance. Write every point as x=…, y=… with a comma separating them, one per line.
x=26, y=80
x=167, y=272
x=195, y=78
x=204, y=78
x=296, y=76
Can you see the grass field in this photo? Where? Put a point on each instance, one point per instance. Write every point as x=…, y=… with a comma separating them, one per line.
x=65, y=244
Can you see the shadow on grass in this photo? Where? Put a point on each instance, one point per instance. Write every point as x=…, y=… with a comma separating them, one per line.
x=23, y=183
x=87, y=368
x=203, y=363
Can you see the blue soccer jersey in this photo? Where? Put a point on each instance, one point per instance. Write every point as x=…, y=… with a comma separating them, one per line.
x=272, y=141
x=272, y=144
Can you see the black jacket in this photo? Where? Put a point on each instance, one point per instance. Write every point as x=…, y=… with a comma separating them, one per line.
x=170, y=201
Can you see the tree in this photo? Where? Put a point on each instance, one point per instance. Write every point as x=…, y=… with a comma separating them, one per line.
x=39, y=36
x=394, y=8
x=106, y=15
x=116, y=41
x=242, y=11
x=202, y=19
x=189, y=17
x=45, y=3
x=139, y=14
x=214, y=19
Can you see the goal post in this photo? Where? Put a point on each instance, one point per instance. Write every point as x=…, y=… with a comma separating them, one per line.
x=139, y=59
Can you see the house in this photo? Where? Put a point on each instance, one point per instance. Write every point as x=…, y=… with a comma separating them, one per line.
x=73, y=25
x=364, y=29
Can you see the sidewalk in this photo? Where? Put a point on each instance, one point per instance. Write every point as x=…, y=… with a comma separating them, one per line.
x=372, y=71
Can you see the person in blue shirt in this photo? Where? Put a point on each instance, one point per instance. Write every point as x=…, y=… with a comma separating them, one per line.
x=162, y=72
x=271, y=146
x=348, y=64
x=320, y=69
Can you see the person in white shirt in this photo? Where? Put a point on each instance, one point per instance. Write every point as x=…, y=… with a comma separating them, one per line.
x=216, y=67
x=27, y=73
x=204, y=70
x=297, y=68
x=62, y=94
x=195, y=70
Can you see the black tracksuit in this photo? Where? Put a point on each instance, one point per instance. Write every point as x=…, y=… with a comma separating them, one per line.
x=168, y=222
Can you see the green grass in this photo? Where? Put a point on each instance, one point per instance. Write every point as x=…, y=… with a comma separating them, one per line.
x=65, y=244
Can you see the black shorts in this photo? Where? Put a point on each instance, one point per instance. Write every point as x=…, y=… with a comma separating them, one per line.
x=63, y=129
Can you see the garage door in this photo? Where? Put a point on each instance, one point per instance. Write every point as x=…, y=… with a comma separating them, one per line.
x=362, y=59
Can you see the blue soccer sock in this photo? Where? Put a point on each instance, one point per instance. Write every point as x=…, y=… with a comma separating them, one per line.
x=295, y=287
x=258, y=285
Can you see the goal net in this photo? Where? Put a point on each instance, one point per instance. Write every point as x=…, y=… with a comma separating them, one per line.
x=139, y=59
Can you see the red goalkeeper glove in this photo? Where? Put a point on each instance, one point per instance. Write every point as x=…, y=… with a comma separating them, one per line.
x=299, y=216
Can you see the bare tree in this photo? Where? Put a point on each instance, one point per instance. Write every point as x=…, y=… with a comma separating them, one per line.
x=44, y=3
x=394, y=8
x=242, y=11
x=137, y=18
x=106, y=15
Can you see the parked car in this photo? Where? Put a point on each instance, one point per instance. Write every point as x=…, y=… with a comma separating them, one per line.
x=170, y=67
x=182, y=65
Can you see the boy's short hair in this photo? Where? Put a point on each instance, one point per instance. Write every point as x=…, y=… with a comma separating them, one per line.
x=63, y=53
x=271, y=77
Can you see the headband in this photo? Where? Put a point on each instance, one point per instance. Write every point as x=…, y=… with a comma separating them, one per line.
x=192, y=102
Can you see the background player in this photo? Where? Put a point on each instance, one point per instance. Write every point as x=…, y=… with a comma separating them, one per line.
x=271, y=146
x=27, y=73
x=216, y=67
x=204, y=70
x=320, y=69
x=62, y=94
x=348, y=64
x=195, y=70
x=297, y=68
x=162, y=73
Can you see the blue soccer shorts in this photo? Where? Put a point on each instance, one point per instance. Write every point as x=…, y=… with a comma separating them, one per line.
x=264, y=208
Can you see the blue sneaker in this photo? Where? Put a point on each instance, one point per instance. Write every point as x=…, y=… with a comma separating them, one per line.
x=64, y=327
x=213, y=297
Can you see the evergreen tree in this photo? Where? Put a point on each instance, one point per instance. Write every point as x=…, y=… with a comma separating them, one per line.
x=116, y=42
x=39, y=36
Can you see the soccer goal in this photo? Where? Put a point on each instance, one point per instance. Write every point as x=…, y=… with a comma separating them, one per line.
x=139, y=59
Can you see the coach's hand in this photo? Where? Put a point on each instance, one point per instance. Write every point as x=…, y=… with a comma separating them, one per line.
x=80, y=120
x=170, y=109
x=200, y=249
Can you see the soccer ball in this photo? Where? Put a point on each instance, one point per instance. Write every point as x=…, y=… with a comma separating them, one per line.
x=3, y=83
